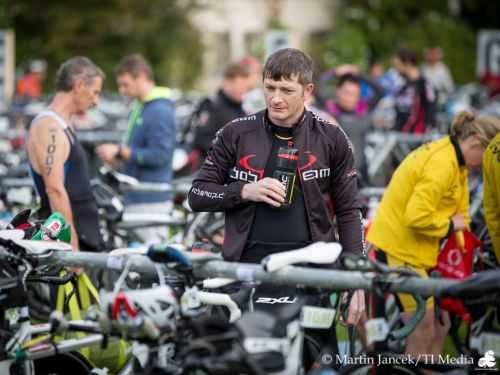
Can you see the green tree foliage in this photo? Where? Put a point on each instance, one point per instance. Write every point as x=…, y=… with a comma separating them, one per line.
x=456, y=39
x=105, y=31
x=373, y=30
x=332, y=49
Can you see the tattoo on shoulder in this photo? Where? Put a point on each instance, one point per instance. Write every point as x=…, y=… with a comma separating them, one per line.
x=51, y=149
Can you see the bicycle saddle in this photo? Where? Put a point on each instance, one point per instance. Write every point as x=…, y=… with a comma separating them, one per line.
x=118, y=177
x=40, y=247
x=12, y=234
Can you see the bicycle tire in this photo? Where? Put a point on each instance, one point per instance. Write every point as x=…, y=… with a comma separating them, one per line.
x=59, y=364
x=368, y=369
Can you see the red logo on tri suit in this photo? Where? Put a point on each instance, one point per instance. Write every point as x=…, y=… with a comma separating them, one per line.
x=250, y=174
x=311, y=159
x=247, y=172
x=245, y=164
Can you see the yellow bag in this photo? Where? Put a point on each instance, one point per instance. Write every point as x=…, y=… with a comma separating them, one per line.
x=116, y=354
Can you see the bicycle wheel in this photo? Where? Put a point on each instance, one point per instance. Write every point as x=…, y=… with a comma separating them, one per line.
x=62, y=363
x=203, y=226
x=364, y=369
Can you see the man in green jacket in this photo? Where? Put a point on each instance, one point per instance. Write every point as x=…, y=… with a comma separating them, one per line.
x=147, y=152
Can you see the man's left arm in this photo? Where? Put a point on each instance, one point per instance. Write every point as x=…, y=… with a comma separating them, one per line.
x=344, y=190
x=160, y=139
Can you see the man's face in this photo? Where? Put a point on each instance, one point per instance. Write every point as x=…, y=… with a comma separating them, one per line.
x=348, y=96
x=433, y=55
x=128, y=85
x=285, y=99
x=87, y=95
x=236, y=87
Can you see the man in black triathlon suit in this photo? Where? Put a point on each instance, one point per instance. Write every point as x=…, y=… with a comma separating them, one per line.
x=236, y=176
x=57, y=160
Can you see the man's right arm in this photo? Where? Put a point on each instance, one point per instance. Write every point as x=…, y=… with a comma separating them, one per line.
x=210, y=191
x=49, y=154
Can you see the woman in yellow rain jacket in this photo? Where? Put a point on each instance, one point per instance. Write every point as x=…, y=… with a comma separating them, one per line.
x=426, y=201
x=491, y=177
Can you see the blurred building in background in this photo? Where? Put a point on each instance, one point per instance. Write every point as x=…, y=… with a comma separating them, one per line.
x=232, y=29
x=7, y=65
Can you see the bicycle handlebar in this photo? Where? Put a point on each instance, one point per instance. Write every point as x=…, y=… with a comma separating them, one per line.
x=59, y=324
x=208, y=265
x=168, y=254
x=221, y=299
x=353, y=262
x=55, y=280
x=17, y=182
x=217, y=282
x=127, y=251
x=129, y=183
x=483, y=282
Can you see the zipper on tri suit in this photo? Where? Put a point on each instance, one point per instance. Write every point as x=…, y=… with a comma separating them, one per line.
x=291, y=143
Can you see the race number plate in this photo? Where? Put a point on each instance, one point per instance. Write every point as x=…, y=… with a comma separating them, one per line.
x=486, y=341
x=317, y=317
x=376, y=330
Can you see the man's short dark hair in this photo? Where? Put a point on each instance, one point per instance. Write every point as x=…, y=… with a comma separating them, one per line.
x=134, y=65
x=78, y=67
x=288, y=62
x=407, y=56
x=347, y=78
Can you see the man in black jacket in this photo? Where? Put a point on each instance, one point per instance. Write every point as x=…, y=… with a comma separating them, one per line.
x=226, y=106
x=236, y=176
x=415, y=102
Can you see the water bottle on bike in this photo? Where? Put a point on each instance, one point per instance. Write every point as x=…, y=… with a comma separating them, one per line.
x=54, y=228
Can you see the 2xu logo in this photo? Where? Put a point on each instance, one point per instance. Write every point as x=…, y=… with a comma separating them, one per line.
x=272, y=301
